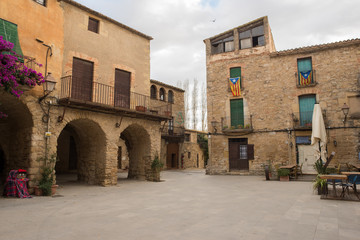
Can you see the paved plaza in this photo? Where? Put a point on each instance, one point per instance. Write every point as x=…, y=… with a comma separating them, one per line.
x=186, y=205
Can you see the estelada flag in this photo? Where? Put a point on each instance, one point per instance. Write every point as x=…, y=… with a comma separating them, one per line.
x=235, y=86
x=305, y=78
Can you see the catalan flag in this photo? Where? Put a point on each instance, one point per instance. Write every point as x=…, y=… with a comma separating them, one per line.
x=235, y=86
x=305, y=78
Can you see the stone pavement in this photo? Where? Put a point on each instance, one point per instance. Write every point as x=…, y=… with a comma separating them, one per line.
x=187, y=205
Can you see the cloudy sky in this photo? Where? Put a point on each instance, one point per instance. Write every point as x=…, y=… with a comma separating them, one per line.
x=180, y=26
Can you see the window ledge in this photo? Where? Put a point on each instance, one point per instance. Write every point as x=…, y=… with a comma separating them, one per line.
x=305, y=86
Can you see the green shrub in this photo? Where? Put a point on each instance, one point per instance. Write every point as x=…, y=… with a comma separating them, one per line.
x=283, y=172
x=156, y=164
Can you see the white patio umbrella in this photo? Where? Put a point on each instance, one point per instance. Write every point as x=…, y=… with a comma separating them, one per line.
x=318, y=135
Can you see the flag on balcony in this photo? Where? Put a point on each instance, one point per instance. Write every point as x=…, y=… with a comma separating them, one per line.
x=235, y=86
x=305, y=78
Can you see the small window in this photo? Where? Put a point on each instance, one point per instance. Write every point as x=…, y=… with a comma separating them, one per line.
x=252, y=37
x=41, y=2
x=162, y=94
x=243, y=151
x=189, y=154
x=187, y=137
x=305, y=72
x=153, y=92
x=93, y=25
x=223, y=44
x=170, y=96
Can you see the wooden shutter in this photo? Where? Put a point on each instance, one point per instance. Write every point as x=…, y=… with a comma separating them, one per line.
x=237, y=112
x=250, y=149
x=122, y=89
x=235, y=72
x=82, y=79
x=234, y=161
x=306, y=107
x=93, y=25
x=304, y=65
x=9, y=32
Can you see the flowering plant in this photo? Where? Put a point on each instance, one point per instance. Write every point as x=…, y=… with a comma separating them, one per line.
x=14, y=73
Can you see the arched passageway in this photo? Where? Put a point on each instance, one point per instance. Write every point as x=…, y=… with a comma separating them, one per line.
x=81, y=149
x=138, y=148
x=15, y=135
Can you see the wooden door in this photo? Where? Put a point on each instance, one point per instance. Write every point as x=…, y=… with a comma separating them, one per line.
x=122, y=89
x=240, y=153
x=82, y=79
x=307, y=158
x=172, y=155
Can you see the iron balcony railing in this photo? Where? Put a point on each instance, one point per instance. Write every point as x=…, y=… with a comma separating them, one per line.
x=236, y=123
x=173, y=131
x=104, y=94
x=302, y=119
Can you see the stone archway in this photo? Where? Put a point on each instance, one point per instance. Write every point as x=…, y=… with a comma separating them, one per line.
x=81, y=148
x=15, y=135
x=137, y=141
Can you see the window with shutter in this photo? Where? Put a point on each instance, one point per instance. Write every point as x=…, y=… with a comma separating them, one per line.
x=162, y=94
x=237, y=112
x=153, y=91
x=122, y=89
x=170, y=96
x=93, y=25
x=305, y=72
x=235, y=72
x=306, y=107
x=82, y=79
x=9, y=32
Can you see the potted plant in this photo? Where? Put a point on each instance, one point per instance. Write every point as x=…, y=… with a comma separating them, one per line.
x=284, y=174
x=156, y=167
x=320, y=185
x=46, y=186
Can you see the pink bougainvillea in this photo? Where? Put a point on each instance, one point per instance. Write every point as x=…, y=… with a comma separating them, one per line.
x=14, y=73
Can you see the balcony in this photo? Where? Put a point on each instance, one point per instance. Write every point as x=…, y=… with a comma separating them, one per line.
x=236, y=125
x=173, y=135
x=302, y=120
x=312, y=81
x=102, y=97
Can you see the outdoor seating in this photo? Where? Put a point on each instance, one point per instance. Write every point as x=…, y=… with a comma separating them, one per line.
x=299, y=169
x=334, y=182
x=353, y=180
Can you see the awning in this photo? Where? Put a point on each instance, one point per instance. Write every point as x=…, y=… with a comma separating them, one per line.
x=9, y=33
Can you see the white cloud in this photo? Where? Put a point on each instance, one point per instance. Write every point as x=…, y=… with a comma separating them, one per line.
x=180, y=26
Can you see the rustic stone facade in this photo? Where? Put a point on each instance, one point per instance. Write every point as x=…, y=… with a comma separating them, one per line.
x=84, y=134
x=270, y=94
x=176, y=151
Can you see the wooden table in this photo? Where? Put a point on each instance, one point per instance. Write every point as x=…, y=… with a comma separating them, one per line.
x=350, y=173
x=356, y=166
x=288, y=166
x=333, y=178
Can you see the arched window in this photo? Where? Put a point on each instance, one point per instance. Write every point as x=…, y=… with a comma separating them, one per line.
x=162, y=94
x=153, y=92
x=170, y=96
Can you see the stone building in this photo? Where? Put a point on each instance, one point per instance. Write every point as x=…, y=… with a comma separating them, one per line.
x=268, y=117
x=179, y=146
x=99, y=112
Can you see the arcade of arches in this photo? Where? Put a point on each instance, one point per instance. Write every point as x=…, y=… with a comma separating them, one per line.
x=86, y=144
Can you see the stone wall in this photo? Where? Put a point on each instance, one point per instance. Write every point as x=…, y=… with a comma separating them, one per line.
x=271, y=97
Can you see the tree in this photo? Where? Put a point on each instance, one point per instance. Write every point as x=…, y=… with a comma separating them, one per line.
x=203, y=108
x=195, y=95
x=14, y=73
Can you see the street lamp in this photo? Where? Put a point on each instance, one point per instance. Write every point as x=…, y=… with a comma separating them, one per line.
x=214, y=125
x=48, y=85
x=345, y=109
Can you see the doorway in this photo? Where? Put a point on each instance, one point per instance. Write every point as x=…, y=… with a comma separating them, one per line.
x=307, y=158
x=172, y=156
